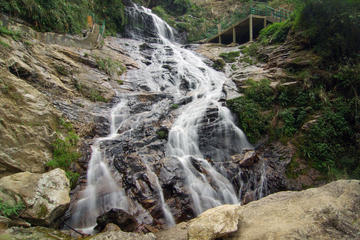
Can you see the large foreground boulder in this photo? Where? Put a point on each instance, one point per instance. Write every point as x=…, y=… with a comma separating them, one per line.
x=328, y=212
x=46, y=196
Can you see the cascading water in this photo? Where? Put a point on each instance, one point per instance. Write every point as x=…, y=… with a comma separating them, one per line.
x=127, y=168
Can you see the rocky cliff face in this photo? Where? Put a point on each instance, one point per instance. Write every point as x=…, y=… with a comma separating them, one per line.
x=42, y=83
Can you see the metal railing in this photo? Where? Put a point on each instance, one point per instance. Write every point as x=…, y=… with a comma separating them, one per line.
x=261, y=9
x=279, y=14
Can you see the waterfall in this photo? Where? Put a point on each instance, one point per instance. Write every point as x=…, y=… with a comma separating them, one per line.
x=170, y=74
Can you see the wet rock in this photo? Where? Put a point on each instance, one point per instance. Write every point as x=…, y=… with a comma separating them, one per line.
x=102, y=126
x=218, y=141
x=111, y=227
x=246, y=159
x=46, y=196
x=249, y=197
x=119, y=217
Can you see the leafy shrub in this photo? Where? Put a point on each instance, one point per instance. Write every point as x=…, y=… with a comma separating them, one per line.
x=10, y=210
x=249, y=117
x=348, y=79
x=112, y=11
x=219, y=64
x=330, y=143
x=65, y=152
x=293, y=119
x=162, y=134
x=331, y=27
x=95, y=96
x=174, y=106
x=230, y=56
x=110, y=66
x=175, y=7
x=275, y=33
x=14, y=34
x=66, y=16
x=159, y=10
x=52, y=15
x=260, y=92
x=250, y=50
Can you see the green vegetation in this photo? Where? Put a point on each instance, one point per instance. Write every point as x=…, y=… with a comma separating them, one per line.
x=62, y=70
x=162, y=134
x=275, y=33
x=185, y=16
x=250, y=118
x=52, y=15
x=4, y=44
x=323, y=125
x=110, y=66
x=7, y=32
x=10, y=210
x=251, y=109
x=42, y=211
x=174, y=106
x=66, y=16
x=96, y=96
x=219, y=64
x=319, y=113
x=112, y=11
x=331, y=28
x=230, y=57
x=330, y=144
x=65, y=151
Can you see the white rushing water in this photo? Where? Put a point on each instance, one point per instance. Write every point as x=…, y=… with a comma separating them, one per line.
x=208, y=190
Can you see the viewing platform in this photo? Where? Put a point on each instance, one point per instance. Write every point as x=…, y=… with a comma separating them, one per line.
x=249, y=27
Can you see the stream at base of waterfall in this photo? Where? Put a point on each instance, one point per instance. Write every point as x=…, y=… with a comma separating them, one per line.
x=165, y=159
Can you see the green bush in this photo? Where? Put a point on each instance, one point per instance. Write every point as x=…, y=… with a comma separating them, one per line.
x=331, y=27
x=65, y=152
x=112, y=11
x=162, y=134
x=230, y=57
x=110, y=66
x=51, y=15
x=159, y=10
x=348, y=79
x=10, y=210
x=175, y=7
x=330, y=144
x=7, y=32
x=275, y=33
x=250, y=118
x=260, y=92
x=66, y=16
x=174, y=106
x=293, y=119
x=219, y=64
x=250, y=50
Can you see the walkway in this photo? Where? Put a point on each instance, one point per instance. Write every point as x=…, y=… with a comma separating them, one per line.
x=249, y=27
